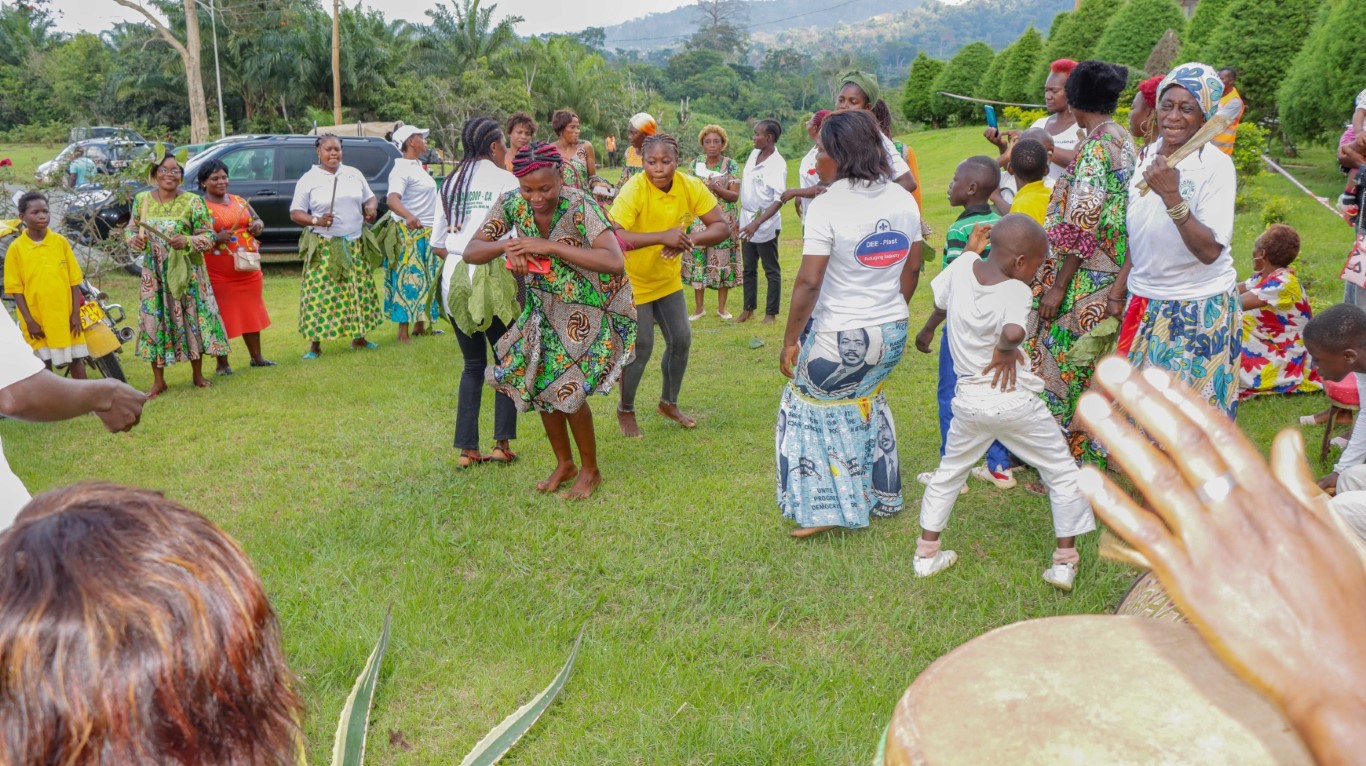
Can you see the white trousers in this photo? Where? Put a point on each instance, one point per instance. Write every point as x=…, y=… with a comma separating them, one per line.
x=1023, y=424
x=1350, y=500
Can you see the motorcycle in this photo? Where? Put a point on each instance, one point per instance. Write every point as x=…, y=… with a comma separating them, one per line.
x=105, y=332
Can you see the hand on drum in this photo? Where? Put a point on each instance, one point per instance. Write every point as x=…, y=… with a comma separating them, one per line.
x=1249, y=553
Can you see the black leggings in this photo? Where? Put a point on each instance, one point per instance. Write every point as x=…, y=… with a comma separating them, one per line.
x=475, y=349
x=671, y=313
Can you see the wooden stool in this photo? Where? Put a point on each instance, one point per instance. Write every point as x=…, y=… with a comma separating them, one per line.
x=1342, y=398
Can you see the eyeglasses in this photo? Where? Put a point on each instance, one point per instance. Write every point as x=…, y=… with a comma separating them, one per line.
x=168, y=171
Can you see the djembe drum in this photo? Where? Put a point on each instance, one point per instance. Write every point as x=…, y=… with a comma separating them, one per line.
x=1087, y=689
x=1147, y=598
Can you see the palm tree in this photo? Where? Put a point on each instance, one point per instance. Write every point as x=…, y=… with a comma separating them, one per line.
x=459, y=36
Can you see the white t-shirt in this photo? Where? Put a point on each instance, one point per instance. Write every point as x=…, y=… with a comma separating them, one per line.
x=1068, y=140
x=1163, y=267
x=415, y=189
x=313, y=195
x=762, y=184
x=487, y=184
x=1361, y=100
x=867, y=231
x=1355, y=453
x=17, y=362
x=977, y=314
x=807, y=177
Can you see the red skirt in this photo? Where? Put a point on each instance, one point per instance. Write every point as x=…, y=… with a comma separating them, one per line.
x=238, y=294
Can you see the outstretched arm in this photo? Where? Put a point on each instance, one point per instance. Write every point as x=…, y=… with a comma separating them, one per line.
x=46, y=397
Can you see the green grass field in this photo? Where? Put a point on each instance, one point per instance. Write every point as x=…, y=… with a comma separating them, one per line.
x=26, y=159
x=712, y=637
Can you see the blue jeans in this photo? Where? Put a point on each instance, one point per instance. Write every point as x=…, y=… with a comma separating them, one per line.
x=998, y=458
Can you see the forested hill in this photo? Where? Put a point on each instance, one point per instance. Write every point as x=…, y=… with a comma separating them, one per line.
x=662, y=30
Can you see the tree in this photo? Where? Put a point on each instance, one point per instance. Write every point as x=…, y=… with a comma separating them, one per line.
x=1209, y=15
x=917, y=97
x=1016, y=76
x=1075, y=36
x=1261, y=38
x=459, y=36
x=1136, y=28
x=962, y=76
x=188, y=50
x=1313, y=107
x=990, y=85
x=1164, y=54
x=720, y=27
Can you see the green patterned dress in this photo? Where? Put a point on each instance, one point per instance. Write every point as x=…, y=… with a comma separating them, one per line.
x=339, y=299
x=178, y=316
x=577, y=330
x=719, y=265
x=1085, y=219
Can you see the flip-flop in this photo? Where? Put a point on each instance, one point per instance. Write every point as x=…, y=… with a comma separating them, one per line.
x=312, y=355
x=465, y=461
x=369, y=344
x=509, y=455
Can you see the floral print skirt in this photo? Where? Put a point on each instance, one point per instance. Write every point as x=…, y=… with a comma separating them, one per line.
x=338, y=300
x=408, y=282
x=172, y=329
x=1198, y=341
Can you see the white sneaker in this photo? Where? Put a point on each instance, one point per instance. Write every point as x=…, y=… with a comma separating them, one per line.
x=697, y=316
x=1338, y=441
x=924, y=478
x=924, y=567
x=1059, y=576
x=1002, y=479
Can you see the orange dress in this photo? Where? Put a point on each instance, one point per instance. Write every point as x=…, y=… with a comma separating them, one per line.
x=238, y=292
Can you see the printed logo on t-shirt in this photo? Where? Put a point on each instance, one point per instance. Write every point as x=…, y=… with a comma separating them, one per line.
x=884, y=248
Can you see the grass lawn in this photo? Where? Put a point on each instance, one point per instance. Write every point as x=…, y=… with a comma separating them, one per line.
x=712, y=637
x=26, y=159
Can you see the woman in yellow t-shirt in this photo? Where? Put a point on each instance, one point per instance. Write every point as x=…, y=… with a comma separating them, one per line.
x=42, y=275
x=652, y=213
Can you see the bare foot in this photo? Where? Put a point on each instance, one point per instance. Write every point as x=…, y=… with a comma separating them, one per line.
x=405, y=338
x=157, y=390
x=802, y=532
x=202, y=382
x=770, y=318
x=583, y=486
x=562, y=473
x=745, y=316
x=629, y=428
x=672, y=412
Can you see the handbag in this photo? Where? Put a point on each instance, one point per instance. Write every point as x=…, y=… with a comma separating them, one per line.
x=1354, y=271
x=246, y=260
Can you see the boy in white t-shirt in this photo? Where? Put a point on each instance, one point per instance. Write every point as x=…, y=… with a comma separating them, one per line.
x=986, y=303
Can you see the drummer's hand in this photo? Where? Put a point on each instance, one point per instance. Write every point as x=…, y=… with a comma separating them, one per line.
x=787, y=360
x=178, y=242
x=1261, y=569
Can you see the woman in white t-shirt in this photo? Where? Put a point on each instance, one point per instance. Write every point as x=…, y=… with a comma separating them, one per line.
x=410, y=266
x=1185, y=314
x=836, y=441
x=468, y=194
x=333, y=202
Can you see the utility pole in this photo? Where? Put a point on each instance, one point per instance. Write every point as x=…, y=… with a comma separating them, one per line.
x=336, y=63
x=217, y=73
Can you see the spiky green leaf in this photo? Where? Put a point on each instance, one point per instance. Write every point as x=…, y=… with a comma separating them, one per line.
x=348, y=747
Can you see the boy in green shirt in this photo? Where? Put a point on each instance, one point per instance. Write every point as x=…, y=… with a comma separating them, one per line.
x=973, y=183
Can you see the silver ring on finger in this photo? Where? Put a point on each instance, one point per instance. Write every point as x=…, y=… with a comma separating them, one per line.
x=1216, y=490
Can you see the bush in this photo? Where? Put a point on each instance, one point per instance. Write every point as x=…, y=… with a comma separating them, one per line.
x=1209, y=14
x=1247, y=151
x=1022, y=118
x=1017, y=72
x=1275, y=210
x=1075, y=36
x=1313, y=107
x=1163, y=58
x=962, y=76
x=917, y=99
x=1261, y=38
x=1136, y=28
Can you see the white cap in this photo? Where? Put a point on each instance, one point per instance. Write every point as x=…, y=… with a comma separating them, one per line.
x=406, y=132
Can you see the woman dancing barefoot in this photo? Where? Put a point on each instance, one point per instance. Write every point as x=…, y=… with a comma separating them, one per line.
x=577, y=330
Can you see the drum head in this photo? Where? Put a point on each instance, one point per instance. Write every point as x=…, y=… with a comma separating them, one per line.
x=1087, y=689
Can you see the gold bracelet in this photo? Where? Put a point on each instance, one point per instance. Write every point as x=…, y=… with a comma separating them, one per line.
x=1178, y=212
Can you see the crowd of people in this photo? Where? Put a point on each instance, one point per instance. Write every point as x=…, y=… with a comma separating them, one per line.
x=1079, y=241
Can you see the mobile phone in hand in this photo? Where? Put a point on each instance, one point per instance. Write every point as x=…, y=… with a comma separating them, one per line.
x=991, y=116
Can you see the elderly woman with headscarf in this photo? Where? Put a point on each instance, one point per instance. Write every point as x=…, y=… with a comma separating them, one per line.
x=1184, y=308
x=642, y=126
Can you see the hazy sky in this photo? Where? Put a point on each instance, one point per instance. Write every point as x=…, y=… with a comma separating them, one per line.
x=541, y=15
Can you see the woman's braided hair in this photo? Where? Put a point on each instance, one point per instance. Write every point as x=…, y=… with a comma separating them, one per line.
x=475, y=138
x=661, y=138
x=535, y=156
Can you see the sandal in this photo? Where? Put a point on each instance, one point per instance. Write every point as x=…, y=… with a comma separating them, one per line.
x=465, y=461
x=507, y=455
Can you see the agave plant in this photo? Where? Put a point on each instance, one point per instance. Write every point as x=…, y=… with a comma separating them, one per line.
x=348, y=747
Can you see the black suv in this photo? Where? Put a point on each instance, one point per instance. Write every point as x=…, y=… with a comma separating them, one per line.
x=264, y=170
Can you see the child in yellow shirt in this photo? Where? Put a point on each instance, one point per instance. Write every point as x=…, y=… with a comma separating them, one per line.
x=43, y=277
x=1029, y=164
